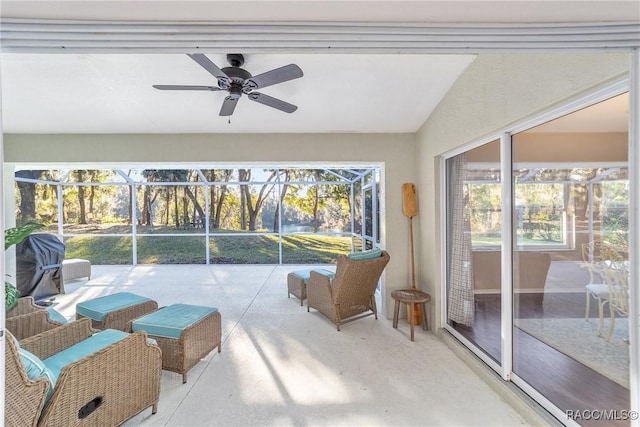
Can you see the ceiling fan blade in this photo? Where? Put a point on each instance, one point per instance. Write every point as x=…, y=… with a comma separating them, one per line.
x=279, y=75
x=185, y=87
x=272, y=102
x=211, y=68
x=229, y=105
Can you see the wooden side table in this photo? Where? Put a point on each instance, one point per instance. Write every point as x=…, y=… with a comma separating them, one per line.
x=411, y=297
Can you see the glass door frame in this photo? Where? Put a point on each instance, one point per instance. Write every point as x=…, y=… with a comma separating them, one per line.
x=629, y=84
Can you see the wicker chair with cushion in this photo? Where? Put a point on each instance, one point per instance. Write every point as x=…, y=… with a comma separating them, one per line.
x=74, y=375
x=27, y=318
x=350, y=295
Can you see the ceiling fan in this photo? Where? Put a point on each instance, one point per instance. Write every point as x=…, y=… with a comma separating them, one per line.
x=237, y=81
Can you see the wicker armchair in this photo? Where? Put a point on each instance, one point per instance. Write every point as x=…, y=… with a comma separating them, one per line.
x=24, y=305
x=105, y=388
x=27, y=319
x=351, y=294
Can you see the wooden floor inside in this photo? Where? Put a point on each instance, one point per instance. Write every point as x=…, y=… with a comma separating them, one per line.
x=567, y=383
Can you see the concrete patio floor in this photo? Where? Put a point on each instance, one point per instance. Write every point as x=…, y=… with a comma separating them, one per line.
x=281, y=365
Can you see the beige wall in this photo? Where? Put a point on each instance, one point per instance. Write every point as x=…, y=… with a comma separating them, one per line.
x=395, y=152
x=559, y=148
x=494, y=92
x=571, y=147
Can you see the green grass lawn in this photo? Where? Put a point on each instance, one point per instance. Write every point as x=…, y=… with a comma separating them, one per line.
x=303, y=249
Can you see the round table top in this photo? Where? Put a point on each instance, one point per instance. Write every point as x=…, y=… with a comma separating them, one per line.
x=410, y=296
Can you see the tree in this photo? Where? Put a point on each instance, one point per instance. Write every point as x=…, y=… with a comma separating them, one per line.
x=27, y=192
x=218, y=194
x=82, y=218
x=169, y=175
x=250, y=206
x=311, y=199
x=94, y=190
x=288, y=176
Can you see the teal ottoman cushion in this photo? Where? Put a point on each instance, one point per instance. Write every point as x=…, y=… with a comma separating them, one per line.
x=170, y=321
x=98, y=308
x=306, y=274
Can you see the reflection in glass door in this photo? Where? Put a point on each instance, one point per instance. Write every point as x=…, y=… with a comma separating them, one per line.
x=570, y=261
x=474, y=239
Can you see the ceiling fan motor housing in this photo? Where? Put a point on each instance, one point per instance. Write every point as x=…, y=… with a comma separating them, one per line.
x=236, y=74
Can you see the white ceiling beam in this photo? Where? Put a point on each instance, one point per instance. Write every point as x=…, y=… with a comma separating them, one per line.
x=45, y=36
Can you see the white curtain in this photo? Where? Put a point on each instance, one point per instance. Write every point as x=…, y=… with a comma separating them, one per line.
x=460, y=289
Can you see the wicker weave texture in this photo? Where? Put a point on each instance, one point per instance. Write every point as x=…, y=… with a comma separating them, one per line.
x=29, y=324
x=118, y=319
x=24, y=399
x=351, y=293
x=25, y=305
x=195, y=342
x=27, y=319
x=297, y=287
x=125, y=375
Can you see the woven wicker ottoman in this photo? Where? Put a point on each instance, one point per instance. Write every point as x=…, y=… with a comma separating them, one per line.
x=185, y=333
x=76, y=268
x=297, y=282
x=116, y=310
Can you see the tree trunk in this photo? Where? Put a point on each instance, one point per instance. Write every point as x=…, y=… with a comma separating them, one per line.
x=276, y=216
x=28, y=195
x=315, y=210
x=146, y=217
x=218, y=214
x=185, y=207
x=27, y=201
x=167, y=203
x=92, y=194
x=243, y=209
x=83, y=211
x=82, y=219
x=175, y=206
x=218, y=196
x=253, y=209
x=196, y=206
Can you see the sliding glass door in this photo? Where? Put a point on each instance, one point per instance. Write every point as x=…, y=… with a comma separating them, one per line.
x=564, y=336
x=571, y=241
x=474, y=247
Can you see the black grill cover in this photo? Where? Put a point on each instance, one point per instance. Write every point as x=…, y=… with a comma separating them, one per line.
x=39, y=266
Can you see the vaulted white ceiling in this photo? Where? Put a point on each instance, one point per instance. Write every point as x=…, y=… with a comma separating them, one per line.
x=113, y=93
x=369, y=91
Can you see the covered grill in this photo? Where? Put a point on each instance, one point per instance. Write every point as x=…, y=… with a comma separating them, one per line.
x=39, y=266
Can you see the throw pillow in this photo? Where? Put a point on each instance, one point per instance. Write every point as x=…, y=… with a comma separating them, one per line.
x=35, y=367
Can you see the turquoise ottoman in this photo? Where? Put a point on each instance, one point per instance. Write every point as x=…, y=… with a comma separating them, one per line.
x=297, y=282
x=115, y=311
x=185, y=333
